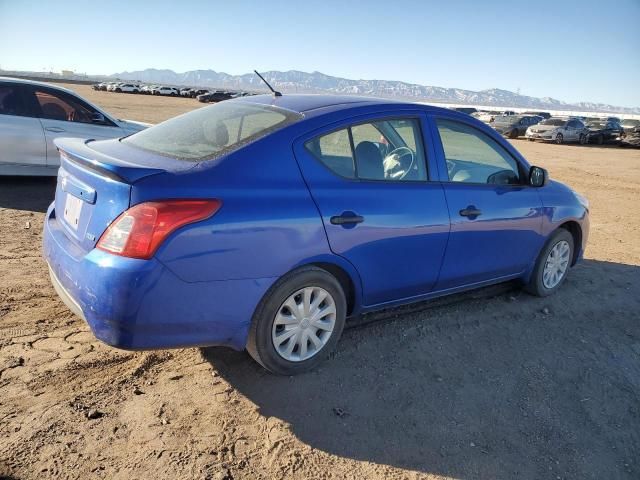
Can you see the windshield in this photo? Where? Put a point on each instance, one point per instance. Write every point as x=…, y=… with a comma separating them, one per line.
x=631, y=122
x=212, y=131
x=596, y=124
x=555, y=122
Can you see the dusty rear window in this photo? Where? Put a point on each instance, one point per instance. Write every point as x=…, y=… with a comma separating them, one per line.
x=212, y=131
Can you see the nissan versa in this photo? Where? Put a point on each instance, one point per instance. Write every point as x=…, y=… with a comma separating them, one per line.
x=264, y=222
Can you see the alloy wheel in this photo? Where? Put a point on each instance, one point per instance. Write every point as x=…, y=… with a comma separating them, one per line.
x=556, y=265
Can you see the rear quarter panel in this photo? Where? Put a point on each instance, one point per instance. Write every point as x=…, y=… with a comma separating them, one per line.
x=267, y=225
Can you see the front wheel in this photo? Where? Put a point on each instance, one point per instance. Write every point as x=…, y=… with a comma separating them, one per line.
x=298, y=322
x=583, y=139
x=559, y=139
x=513, y=134
x=600, y=140
x=552, y=266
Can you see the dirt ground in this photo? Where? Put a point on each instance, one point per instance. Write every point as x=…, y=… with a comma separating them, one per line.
x=492, y=385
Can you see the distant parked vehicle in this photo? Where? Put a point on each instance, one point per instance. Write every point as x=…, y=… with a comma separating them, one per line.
x=217, y=96
x=111, y=87
x=200, y=91
x=558, y=130
x=34, y=114
x=148, y=89
x=631, y=138
x=185, y=92
x=604, y=131
x=514, y=126
x=467, y=110
x=487, y=117
x=167, y=91
x=127, y=88
x=544, y=115
x=629, y=125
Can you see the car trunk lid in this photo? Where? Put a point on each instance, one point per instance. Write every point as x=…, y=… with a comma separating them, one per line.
x=94, y=185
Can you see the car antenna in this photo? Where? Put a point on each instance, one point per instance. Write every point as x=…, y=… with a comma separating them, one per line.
x=275, y=92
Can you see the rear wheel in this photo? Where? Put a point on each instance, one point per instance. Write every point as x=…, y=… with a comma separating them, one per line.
x=552, y=265
x=298, y=322
x=600, y=139
x=559, y=139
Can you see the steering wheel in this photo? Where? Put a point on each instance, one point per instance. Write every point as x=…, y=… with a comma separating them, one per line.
x=395, y=161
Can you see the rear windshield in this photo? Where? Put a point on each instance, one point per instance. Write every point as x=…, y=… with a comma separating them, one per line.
x=212, y=131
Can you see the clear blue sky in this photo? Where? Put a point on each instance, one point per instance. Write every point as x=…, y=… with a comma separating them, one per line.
x=566, y=49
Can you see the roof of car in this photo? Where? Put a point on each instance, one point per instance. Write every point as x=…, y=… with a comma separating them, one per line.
x=32, y=82
x=302, y=103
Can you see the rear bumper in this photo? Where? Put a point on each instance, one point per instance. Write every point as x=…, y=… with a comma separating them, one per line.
x=141, y=305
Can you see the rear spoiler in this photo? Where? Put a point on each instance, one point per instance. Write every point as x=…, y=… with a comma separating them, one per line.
x=78, y=151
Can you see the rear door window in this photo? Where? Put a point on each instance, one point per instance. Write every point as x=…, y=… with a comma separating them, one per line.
x=58, y=106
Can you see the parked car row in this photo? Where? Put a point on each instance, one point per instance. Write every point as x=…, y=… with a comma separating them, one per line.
x=578, y=129
x=543, y=127
x=202, y=94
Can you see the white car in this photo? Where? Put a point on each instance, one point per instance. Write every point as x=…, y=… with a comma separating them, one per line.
x=127, y=88
x=174, y=92
x=558, y=130
x=34, y=114
x=111, y=86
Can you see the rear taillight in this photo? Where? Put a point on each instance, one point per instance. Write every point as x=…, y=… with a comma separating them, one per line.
x=139, y=231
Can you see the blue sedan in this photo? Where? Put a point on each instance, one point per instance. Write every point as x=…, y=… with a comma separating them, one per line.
x=265, y=222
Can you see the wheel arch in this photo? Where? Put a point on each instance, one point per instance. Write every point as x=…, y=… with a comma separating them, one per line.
x=575, y=230
x=345, y=280
x=344, y=272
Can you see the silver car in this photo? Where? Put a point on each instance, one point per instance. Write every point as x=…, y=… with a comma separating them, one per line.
x=33, y=114
x=559, y=130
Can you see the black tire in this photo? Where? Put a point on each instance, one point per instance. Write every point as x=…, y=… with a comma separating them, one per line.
x=118, y=90
x=583, y=139
x=559, y=139
x=260, y=345
x=536, y=284
x=514, y=134
x=600, y=139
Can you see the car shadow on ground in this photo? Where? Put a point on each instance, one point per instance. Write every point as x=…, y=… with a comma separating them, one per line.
x=33, y=194
x=506, y=386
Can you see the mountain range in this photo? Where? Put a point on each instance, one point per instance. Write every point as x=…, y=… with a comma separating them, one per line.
x=294, y=81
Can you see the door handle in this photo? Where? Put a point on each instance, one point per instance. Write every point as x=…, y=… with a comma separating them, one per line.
x=470, y=211
x=346, y=219
x=54, y=129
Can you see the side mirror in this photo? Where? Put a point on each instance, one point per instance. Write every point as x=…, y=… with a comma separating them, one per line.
x=98, y=118
x=538, y=177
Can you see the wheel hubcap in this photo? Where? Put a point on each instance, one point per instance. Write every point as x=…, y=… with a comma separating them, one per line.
x=556, y=265
x=304, y=324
